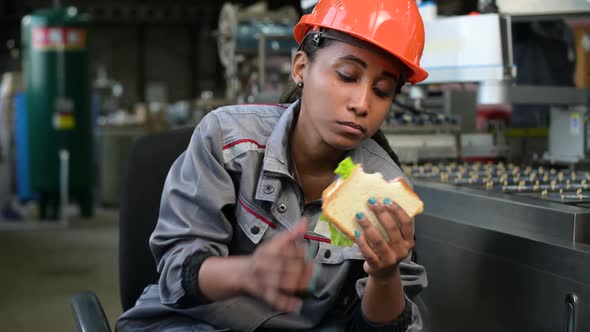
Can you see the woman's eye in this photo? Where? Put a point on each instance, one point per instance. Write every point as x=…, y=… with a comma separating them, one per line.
x=345, y=78
x=382, y=93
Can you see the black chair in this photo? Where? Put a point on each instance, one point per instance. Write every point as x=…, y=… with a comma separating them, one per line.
x=148, y=164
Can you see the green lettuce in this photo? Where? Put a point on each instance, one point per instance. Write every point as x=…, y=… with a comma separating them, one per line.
x=338, y=239
x=344, y=169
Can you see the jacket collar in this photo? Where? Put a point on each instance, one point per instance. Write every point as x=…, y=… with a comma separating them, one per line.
x=277, y=158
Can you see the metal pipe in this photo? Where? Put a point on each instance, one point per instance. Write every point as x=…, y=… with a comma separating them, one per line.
x=64, y=165
x=5, y=135
x=262, y=61
x=571, y=302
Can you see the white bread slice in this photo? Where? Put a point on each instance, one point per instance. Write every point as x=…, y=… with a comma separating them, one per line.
x=344, y=198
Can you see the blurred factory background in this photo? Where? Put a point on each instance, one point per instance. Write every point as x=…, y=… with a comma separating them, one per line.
x=497, y=140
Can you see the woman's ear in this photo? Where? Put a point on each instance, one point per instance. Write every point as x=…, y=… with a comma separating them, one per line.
x=300, y=61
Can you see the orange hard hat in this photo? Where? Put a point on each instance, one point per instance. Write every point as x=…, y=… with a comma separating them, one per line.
x=392, y=25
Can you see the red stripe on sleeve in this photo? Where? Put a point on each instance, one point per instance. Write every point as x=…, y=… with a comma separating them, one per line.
x=317, y=238
x=245, y=140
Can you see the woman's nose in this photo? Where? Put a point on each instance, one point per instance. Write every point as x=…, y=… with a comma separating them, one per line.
x=360, y=100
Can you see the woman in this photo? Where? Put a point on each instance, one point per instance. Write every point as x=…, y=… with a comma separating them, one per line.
x=236, y=242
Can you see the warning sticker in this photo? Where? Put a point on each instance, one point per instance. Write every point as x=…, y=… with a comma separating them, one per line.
x=58, y=38
x=64, y=121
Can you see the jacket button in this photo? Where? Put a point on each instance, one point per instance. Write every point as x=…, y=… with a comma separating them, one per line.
x=268, y=189
x=282, y=208
x=255, y=230
x=327, y=253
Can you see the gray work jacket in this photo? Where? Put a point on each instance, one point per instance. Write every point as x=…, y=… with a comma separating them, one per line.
x=231, y=189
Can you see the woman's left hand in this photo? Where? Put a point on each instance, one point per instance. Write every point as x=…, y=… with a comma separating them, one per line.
x=382, y=257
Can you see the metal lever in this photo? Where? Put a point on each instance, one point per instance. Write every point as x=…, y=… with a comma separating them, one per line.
x=571, y=302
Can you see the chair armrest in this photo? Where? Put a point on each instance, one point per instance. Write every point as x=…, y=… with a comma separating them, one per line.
x=88, y=313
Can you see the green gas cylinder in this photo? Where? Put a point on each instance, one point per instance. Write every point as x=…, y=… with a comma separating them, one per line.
x=57, y=84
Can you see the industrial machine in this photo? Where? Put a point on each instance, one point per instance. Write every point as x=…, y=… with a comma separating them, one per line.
x=57, y=85
x=255, y=46
x=420, y=132
x=507, y=248
x=506, y=245
x=479, y=69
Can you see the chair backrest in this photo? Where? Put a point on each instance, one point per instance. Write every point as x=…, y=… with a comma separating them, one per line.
x=149, y=160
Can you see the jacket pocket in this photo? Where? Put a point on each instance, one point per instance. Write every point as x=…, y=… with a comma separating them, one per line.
x=253, y=221
x=329, y=254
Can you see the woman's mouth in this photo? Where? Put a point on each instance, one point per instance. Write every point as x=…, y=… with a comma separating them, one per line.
x=353, y=128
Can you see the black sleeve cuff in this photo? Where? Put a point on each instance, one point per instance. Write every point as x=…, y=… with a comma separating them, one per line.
x=401, y=324
x=190, y=279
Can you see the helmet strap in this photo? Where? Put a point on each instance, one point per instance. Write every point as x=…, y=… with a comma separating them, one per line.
x=317, y=38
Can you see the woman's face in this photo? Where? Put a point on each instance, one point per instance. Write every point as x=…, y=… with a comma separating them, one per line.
x=347, y=93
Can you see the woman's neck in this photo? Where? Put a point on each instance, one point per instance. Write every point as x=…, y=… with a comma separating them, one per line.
x=311, y=155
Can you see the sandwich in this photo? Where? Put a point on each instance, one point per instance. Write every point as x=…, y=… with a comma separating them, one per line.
x=349, y=194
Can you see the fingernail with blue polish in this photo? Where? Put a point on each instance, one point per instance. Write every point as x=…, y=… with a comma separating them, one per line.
x=359, y=215
x=357, y=233
x=372, y=201
x=387, y=201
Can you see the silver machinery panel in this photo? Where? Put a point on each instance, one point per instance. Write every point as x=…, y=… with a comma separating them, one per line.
x=488, y=281
x=568, y=139
x=537, y=203
x=506, y=247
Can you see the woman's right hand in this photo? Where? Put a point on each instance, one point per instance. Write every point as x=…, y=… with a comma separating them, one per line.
x=278, y=269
